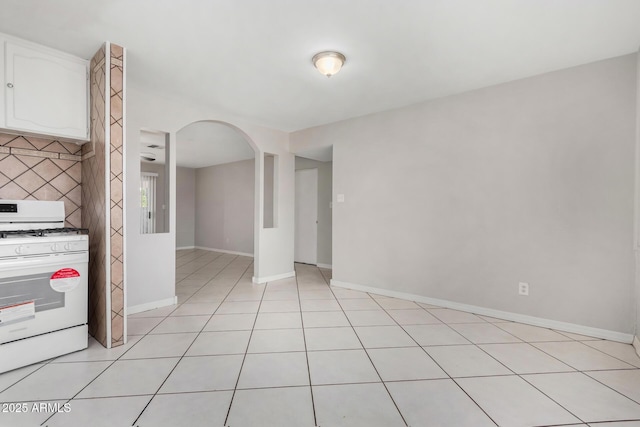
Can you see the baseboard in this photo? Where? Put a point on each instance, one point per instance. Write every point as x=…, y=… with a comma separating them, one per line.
x=224, y=251
x=151, y=305
x=324, y=266
x=273, y=278
x=181, y=248
x=514, y=317
x=636, y=344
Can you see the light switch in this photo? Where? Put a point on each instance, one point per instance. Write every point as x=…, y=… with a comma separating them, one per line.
x=340, y=198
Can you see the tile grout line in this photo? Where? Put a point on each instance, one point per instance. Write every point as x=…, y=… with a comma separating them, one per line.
x=50, y=361
x=149, y=333
x=193, y=260
x=178, y=305
x=553, y=400
x=608, y=386
x=198, y=334
x=515, y=373
x=244, y=357
x=28, y=375
x=341, y=310
x=207, y=282
x=366, y=352
x=435, y=361
x=306, y=352
x=610, y=355
x=114, y=361
x=571, y=340
x=67, y=400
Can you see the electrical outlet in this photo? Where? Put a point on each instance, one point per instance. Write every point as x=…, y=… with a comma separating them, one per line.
x=523, y=288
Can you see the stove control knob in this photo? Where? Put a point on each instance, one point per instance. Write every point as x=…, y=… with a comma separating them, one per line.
x=67, y=246
x=54, y=247
x=21, y=250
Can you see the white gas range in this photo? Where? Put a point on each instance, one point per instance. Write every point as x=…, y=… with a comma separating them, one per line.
x=43, y=283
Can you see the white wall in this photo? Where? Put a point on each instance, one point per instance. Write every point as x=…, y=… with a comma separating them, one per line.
x=185, y=207
x=224, y=200
x=325, y=173
x=151, y=257
x=463, y=197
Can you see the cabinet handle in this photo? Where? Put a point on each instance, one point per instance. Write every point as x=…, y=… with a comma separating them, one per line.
x=10, y=85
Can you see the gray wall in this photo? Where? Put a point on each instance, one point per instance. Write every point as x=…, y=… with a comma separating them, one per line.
x=161, y=214
x=185, y=207
x=225, y=206
x=269, y=195
x=325, y=182
x=463, y=197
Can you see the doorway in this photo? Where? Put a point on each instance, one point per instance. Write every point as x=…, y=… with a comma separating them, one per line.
x=306, y=216
x=215, y=189
x=314, y=207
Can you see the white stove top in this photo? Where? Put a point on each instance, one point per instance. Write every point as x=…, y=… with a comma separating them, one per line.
x=34, y=227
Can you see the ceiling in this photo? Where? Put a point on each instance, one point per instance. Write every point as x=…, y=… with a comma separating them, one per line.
x=199, y=144
x=202, y=144
x=252, y=58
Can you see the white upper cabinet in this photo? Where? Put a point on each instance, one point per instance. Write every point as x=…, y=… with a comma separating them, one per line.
x=45, y=91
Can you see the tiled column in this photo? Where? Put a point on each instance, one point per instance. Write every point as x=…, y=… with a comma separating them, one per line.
x=117, y=235
x=102, y=195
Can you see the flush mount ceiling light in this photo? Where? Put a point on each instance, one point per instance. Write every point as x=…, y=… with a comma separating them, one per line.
x=328, y=63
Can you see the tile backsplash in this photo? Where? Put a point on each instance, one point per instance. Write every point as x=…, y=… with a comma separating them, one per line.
x=33, y=168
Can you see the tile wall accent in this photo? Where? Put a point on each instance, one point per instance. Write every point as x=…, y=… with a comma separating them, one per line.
x=116, y=164
x=34, y=168
x=94, y=200
x=107, y=266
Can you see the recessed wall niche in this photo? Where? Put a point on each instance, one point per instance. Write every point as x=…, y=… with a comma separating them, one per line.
x=270, y=184
x=154, y=181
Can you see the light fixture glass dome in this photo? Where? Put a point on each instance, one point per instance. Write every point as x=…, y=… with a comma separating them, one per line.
x=328, y=63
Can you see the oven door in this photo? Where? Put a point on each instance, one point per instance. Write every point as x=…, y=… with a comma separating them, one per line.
x=42, y=294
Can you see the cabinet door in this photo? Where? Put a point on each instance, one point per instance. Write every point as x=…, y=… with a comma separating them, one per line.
x=45, y=93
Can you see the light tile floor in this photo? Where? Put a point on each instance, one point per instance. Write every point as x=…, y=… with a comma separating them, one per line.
x=297, y=352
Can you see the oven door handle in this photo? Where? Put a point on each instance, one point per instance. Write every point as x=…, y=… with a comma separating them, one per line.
x=43, y=261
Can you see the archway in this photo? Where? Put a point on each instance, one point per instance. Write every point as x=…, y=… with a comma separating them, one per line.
x=216, y=200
